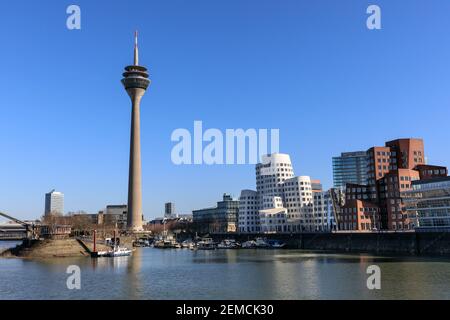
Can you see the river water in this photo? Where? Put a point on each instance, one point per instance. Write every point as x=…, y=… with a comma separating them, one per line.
x=226, y=274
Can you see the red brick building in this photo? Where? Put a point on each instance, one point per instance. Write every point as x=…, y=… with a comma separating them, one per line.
x=391, y=170
x=396, y=182
x=359, y=215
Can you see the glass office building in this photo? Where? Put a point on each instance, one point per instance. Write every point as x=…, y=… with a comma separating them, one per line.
x=350, y=167
x=428, y=204
x=220, y=219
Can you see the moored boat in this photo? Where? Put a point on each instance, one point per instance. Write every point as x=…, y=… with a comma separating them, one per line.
x=261, y=243
x=187, y=244
x=276, y=244
x=98, y=254
x=166, y=244
x=119, y=252
x=206, y=244
x=228, y=244
x=141, y=243
x=249, y=244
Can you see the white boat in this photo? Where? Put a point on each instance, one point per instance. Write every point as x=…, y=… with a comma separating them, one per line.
x=275, y=244
x=187, y=244
x=101, y=253
x=261, y=243
x=206, y=244
x=119, y=252
x=228, y=244
x=249, y=244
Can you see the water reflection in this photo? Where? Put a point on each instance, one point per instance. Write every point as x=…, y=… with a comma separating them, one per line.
x=227, y=274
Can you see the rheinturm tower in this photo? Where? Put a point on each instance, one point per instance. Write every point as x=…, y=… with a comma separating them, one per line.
x=135, y=80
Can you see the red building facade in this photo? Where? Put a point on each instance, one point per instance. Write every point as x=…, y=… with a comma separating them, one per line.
x=391, y=170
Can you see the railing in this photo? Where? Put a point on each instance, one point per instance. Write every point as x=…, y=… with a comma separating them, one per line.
x=12, y=235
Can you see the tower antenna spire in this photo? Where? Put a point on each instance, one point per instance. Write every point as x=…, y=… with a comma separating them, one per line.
x=136, y=50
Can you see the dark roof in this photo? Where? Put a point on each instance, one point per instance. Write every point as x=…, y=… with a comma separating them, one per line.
x=428, y=166
x=433, y=180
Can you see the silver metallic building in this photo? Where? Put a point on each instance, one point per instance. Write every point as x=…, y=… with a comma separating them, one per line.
x=428, y=204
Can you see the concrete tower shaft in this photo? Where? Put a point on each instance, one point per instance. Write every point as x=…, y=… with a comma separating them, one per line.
x=135, y=80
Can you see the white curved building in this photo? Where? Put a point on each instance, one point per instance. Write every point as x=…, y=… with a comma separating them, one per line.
x=271, y=174
x=270, y=177
x=283, y=202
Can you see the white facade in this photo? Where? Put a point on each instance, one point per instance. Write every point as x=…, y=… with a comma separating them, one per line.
x=248, y=218
x=324, y=215
x=54, y=203
x=306, y=207
x=270, y=176
x=299, y=203
x=273, y=220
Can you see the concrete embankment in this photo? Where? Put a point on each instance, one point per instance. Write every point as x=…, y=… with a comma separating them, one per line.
x=409, y=243
x=62, y=248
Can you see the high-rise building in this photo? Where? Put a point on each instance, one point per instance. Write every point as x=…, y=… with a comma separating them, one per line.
x=135, y=81
x=350, y=167
x=54, y=203
x=169, y=210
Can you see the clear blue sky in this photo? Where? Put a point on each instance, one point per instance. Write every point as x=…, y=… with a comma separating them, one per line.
x=310, y=68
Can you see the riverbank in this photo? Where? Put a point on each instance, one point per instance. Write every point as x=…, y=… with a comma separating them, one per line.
x=55, y=248
x=392, y=243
